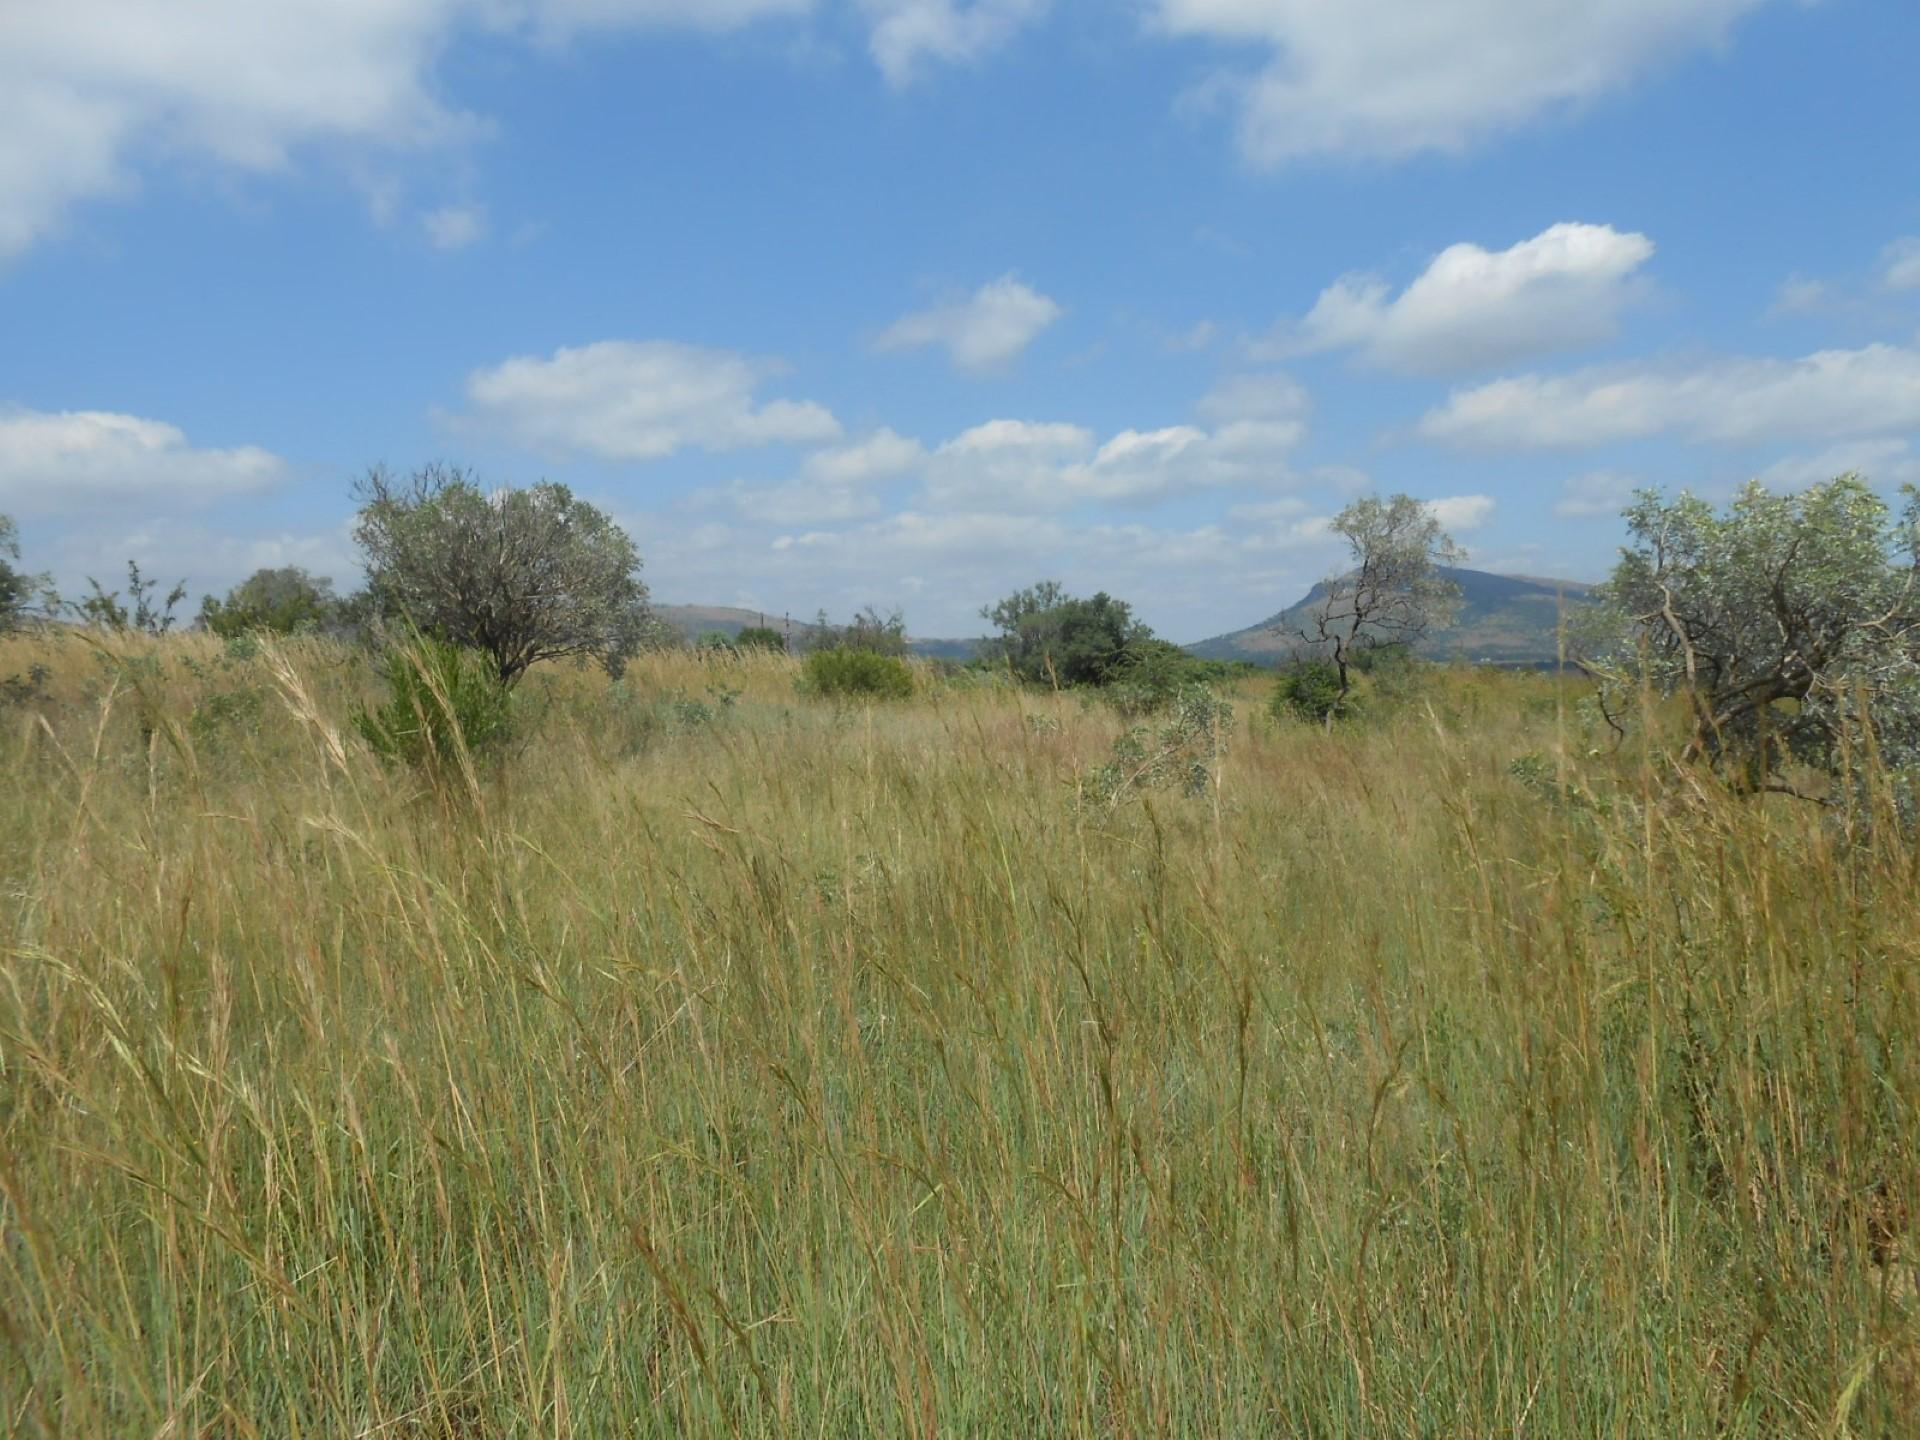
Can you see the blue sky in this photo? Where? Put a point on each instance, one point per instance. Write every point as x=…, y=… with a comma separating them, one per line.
x=913, y=302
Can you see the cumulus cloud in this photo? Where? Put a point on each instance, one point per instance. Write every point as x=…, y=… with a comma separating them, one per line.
x=1830, y=394
x=1887, y=462
x=1900, y=264
x=982, y=334
x=1459, y=514
x=838, y=484
x=1598, y=494
x=454, y=227
x=638, y=400
x=93, y=92
x=72, y=462
x=1016, y=465
x=1472, y=308
x=1361, y=79
x=883, y=455
x=909, y=33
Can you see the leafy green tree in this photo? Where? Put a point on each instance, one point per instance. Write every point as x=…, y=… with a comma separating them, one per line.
x=869, y=630
x=521, y=575
x=1048, y=637
x=16, y=587
x=760, y=637
x=285, y=601
x=1791, y=624
x=1392, y=591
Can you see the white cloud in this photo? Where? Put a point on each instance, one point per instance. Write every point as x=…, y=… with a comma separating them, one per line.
x=1459, y=514
x=836, y=484
x=1016, y=465
x=1887, y=463
x=93, y=92
x=1598, y=494
x=908, y=33
x=638, y=400
x=1472, y=308
x=982, y=334
x=72, y=462
x=883, y=455
x=455, y=227
x=1832, y=393
x=1900, y=264
x=1391, y=78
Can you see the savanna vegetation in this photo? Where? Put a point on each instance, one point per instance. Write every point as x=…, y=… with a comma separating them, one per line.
x=665, y=1047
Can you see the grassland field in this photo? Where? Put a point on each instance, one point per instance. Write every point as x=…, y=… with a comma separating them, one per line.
x=727, y=1062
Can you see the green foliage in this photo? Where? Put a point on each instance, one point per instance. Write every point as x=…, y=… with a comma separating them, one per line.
x=869, y=630
x=717, y=641
x=1048, y=637
x=16, y=587
x=521, y=575
x=1310, y=690
x=445, y=706
x=285, y=601
x=1153, y=674
x=1183, y=751
x=144, y=612
x=856, y=675
x=1393, y=591
x=1790, y=623
x=760, y=637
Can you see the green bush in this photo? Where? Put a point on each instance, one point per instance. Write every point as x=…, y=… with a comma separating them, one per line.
x=856, y=674
x=1310, y=690
x=760, y=637
x=443, y=702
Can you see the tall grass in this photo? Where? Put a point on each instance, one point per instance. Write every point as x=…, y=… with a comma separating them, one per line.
x=744, y=1065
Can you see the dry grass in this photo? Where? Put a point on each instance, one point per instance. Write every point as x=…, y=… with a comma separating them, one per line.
x=742, y=1065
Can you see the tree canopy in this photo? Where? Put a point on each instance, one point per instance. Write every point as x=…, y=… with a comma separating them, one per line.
x=1392, y=591
x=522, y=575
x=1048, y=637
x=1791, y=623
x=285, y=601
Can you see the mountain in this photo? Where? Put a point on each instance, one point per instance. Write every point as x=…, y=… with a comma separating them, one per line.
x=1503, y=620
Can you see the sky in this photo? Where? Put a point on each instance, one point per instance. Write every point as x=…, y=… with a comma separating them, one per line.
x=915, y=302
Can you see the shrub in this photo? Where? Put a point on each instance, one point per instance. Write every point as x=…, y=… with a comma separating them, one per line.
x=760, y=637
x=1311, y=690
x=865, y=674
x=444, y=703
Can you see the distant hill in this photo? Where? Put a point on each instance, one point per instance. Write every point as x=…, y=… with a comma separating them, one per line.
x=693, y=621
x=1504, y=620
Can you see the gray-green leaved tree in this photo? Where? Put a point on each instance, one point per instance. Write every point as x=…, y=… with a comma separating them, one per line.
x=1392, y=591
x=1790, y=623
x=521, y=575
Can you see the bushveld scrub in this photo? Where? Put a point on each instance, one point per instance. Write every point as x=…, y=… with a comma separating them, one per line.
x=849, y=674
x=834, y=1071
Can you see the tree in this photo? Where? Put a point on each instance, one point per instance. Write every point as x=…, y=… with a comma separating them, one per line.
x=521, y=575
x=15, y=585
x=1048, y=637
x=1791, y=624
x=868, y=630
x=285, y=601
x=1393, y=591
x=760, y=637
